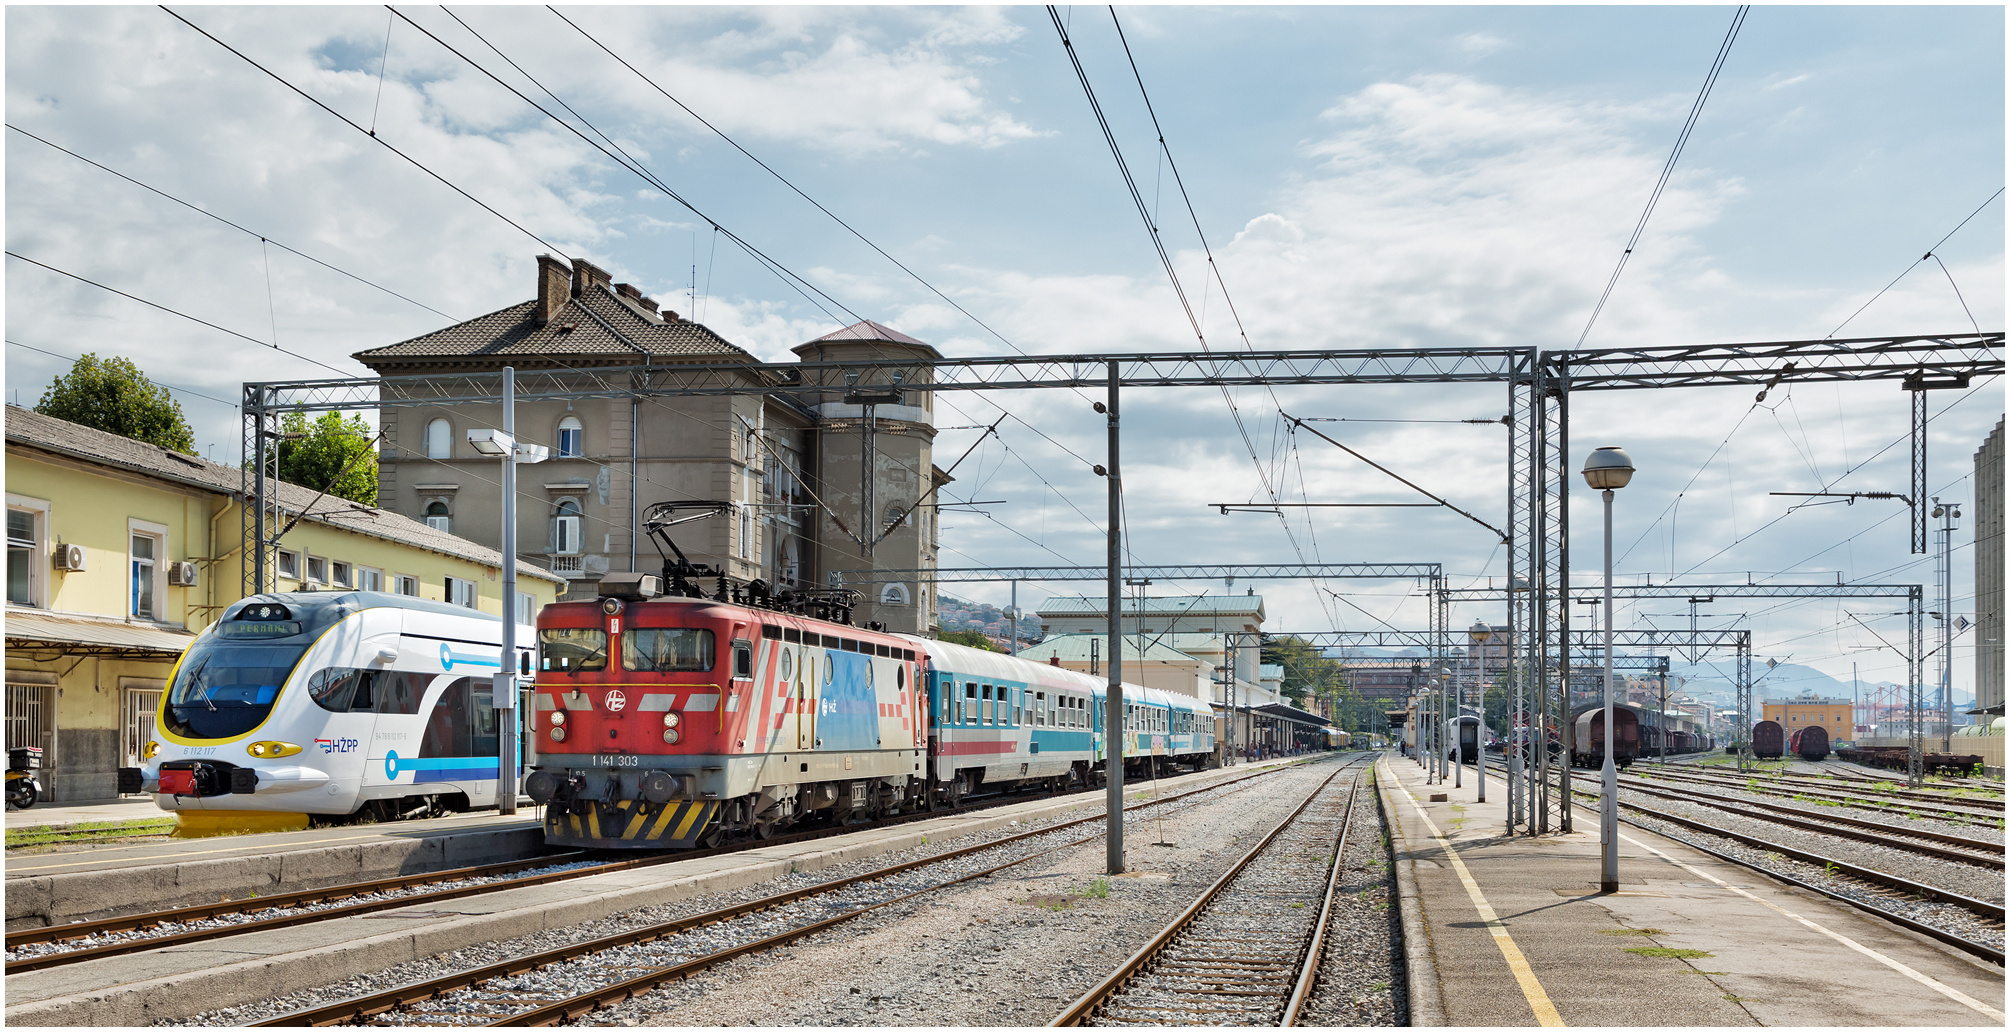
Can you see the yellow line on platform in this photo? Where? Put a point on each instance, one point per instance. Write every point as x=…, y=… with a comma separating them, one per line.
x=1531, y=988
x=1926, y=980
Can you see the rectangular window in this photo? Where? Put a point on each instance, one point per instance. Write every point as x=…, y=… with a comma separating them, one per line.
x=565, y=535
x=986, y=715
x=666, y=649
x=23, y=554
x=317, y=569
x=1040, y=709
x=443, y=524
x=342, y=575
x=368, y=579
x=462, y=593
x=570, y=649
x=289, y=565
x=408, y=586
x=144, y=555
x=526, y=607
x=968, y=712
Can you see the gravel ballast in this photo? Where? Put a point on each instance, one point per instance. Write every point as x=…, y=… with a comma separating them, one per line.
x=1041, y=875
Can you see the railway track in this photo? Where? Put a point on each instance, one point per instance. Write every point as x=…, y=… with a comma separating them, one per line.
x=1926, y=843
x=1980, y=814
x=1887, y=887
x=537, y=989
x=136, y=933
x=1248, y=950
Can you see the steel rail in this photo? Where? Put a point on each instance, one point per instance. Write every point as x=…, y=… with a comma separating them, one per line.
x=1855, y=822
x=1968, y=903
x=1092, y=1001
x=1960, y=942
x=1792, y=818
x=82, y=929
x=1315, y=952
x=1880, y=801
x=205, y=911
x=363, y=1007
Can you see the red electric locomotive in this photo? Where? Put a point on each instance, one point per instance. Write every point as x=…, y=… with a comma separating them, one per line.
x=673, y=720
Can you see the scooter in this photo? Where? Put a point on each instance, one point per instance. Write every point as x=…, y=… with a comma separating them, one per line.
x=23, y=789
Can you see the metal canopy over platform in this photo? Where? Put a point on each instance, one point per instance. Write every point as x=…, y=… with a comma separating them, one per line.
x=39, y=632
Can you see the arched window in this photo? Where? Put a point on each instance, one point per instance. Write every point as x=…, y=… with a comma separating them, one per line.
x=893, y=595
x=439, y=439
x=569, y=439
x=894, y=515
x=438, y=516
x=565, y=527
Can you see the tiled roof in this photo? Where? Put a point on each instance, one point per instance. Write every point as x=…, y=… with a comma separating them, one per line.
x=32, y=429
x=869, y=330
x=596, y=326
x=1190, y=605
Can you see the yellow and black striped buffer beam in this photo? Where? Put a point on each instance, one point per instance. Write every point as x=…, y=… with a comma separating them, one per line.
x=629, y=824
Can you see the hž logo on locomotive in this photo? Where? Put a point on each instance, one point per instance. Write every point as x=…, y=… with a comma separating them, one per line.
x=615, y=700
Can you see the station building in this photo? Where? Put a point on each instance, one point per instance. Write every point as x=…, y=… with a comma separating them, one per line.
x=119, y=552
x=790, y=465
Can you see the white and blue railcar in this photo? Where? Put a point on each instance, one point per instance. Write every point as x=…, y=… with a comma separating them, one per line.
x=303, y=705
x=1000, y=721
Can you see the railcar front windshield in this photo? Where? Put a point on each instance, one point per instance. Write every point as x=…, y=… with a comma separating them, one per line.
x=225, y=688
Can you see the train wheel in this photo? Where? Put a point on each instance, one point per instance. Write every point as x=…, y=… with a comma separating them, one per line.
x=763, y=830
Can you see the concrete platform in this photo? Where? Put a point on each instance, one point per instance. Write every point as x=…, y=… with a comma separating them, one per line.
x=90, y=882
x=65, y=815
x=1513, y=931
x=139, y=989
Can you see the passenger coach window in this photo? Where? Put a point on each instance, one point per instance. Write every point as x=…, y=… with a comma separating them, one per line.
x=987, y=704
x=968, y=714
x=666, y=650
x=569, y=649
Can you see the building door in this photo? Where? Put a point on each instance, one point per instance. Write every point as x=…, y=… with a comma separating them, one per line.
x=31, y=721
x=140, y=706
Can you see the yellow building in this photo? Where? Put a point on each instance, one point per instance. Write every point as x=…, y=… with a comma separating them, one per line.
x=1834, y=715
x=119, y=552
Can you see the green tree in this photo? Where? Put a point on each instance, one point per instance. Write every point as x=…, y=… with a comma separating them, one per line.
x=974, y=639
x=331, y=453
x=113, y=395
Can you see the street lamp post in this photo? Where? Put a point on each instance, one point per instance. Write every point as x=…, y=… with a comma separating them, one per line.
x=502, y=444
x=1606, y=470
x=1481, y=632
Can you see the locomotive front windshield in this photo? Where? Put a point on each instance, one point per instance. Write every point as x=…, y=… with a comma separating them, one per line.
x=224, y=689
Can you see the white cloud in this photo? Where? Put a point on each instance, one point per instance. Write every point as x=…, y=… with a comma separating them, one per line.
x=1479, y=43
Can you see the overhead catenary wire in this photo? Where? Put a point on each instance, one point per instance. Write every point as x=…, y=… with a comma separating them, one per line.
x=346, y=120
x=1915, y=263
x=242, y=229
x=179, y=314
x=1668, y=167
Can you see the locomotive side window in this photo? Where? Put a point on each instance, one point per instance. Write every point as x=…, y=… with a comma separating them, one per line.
x=668, y=649
x=397, y=691
x=569, y=649
x=788, y=665
x=332, y=687
x=743, y=659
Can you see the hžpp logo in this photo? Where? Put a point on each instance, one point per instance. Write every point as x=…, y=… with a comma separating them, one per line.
x=335, y=745
x=615, y=700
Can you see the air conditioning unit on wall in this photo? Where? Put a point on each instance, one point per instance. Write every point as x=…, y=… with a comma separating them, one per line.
x=182, y=575
x=70, y=558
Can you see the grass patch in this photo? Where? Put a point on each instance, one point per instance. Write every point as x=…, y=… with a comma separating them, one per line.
x=1298, y=906
x=1098, y=888
x=101, y=831
x=1633, y=931
x=1664, y=951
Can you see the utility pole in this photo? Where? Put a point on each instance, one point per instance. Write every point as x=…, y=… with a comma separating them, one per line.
x=1944, y=573
x=1113, y=702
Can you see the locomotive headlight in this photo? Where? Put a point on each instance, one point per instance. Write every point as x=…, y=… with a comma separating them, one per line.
x=670, y=736
x=557, y=718
x=672, y=719
x=150, y=750
x=558, y=734
x=271, y=750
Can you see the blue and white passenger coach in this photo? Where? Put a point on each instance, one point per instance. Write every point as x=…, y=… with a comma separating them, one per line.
x=322, y=705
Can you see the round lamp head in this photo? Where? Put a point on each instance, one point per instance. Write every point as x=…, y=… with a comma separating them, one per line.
x=1607, y=469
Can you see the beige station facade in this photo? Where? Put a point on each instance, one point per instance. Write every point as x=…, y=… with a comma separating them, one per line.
x=119, y=552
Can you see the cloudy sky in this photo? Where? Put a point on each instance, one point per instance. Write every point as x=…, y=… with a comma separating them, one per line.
x=1387, y=177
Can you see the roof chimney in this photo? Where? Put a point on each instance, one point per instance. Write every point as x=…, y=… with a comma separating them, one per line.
x=586, y=275
x=1054, y=660
x=553, y=277
x=628, y=291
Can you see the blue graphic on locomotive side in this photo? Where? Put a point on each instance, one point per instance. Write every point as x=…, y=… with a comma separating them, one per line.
x=847, y=710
